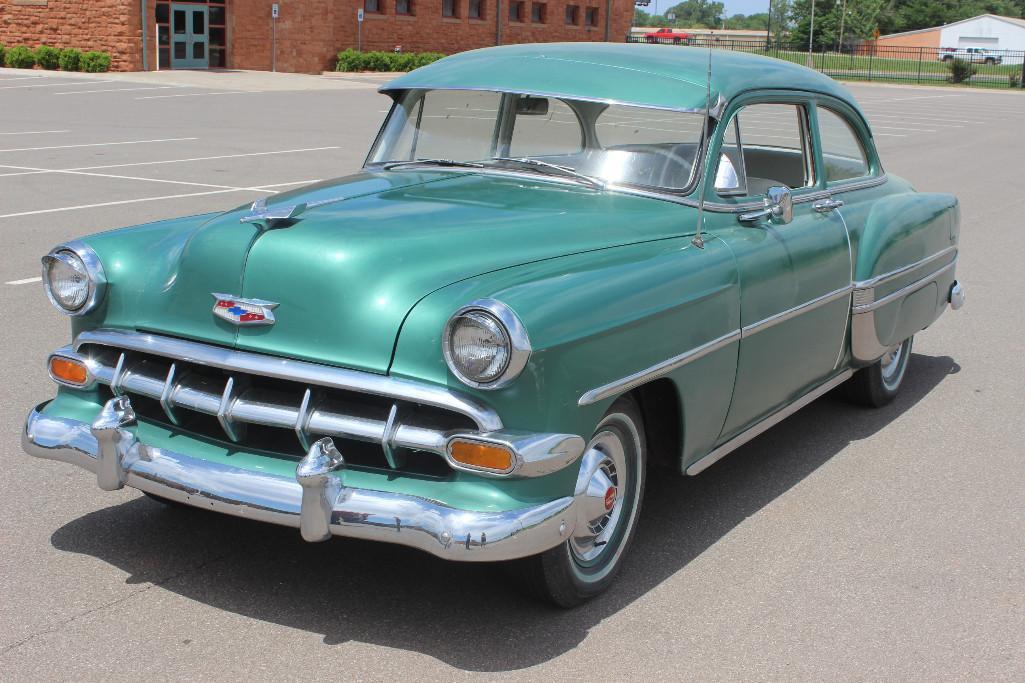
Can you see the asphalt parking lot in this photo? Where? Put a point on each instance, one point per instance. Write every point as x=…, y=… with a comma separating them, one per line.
x=843, y=544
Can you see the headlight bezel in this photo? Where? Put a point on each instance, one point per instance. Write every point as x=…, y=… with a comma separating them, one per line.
x=515, y=333
x=95, y=276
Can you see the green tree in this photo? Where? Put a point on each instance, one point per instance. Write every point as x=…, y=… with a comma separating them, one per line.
x=857, y=19
x=697, y=14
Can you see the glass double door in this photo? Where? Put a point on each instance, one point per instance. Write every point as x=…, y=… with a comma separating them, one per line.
x=190, y=37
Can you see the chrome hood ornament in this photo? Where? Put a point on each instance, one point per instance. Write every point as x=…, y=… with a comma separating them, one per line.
x=273, y=217
x=239, y=311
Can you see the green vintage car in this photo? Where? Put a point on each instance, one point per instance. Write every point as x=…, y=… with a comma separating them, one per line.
x=560, y=266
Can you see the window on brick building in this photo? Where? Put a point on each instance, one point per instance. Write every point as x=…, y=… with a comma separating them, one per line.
x=538, y=12
x=592, y=16
x=516, y=10
x=476, y=9
x=449, y=8
x=373, y=6
x=572, y=15
x=404, y=7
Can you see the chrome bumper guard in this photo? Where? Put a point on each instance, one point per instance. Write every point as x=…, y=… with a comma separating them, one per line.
x=317, y=502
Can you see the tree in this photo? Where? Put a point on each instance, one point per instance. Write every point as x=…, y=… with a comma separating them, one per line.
x=697, y=14
x=857, y=18
x=751, y=22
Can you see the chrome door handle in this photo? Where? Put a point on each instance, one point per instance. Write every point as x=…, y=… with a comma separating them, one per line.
x=827, y=205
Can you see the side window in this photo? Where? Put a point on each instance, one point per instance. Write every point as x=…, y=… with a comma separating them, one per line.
x=545, y=126
x=767, y=146
x=843, y=155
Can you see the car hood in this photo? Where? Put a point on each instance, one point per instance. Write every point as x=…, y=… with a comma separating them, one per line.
x=370, y=246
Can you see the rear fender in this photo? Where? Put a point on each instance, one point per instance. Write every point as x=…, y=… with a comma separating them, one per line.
x=904, y=271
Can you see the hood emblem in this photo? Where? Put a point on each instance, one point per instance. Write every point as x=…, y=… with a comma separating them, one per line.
x=243, y=311
x=268, y=218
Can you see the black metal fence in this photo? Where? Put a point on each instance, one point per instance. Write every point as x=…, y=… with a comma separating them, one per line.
x=870, y=62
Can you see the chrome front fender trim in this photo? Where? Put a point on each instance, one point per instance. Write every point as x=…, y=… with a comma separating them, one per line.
x=300, y=371
x=316, y=501
x=665, y=367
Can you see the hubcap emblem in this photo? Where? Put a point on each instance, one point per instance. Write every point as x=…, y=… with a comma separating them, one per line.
x=241, y=312
x=610, y=498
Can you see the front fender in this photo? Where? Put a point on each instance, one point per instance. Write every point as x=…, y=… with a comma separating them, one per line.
x=595, y=318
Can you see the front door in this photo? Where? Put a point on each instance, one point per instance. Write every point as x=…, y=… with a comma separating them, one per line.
x=795, y=277
x=189, y=37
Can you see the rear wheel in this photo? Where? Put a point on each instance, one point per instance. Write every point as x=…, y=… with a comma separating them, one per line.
x=878, y=384
x=586, y=564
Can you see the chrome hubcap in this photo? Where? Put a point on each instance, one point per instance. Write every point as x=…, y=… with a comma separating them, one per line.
x=602, y=504
x=892, y=365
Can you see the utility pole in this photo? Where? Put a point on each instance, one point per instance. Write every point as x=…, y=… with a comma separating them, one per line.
x=768, y=28
x=843, y=15
x=811, y=35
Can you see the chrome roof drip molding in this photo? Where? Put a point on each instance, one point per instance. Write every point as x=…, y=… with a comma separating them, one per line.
x=269, y=218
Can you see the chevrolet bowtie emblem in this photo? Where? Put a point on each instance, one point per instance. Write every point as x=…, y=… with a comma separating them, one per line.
x=243, y=311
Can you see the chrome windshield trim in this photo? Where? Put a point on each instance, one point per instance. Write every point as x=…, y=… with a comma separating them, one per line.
x=903, y=270
x=783, y=316
x=300, y=371
x=903, y=291
x=642, y=377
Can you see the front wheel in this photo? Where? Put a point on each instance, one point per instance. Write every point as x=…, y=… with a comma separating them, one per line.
x=879, y=383
x=587, y=563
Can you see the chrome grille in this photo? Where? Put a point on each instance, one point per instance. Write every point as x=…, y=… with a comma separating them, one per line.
x=300, y=401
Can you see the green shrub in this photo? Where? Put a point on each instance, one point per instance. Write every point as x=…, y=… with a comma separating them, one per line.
x=1014, y=80
x=961, y=70
x=95, y=62
x=20, y=58
x=47, y=57
x=2, y=51
x=70, y=59
x=351, y=60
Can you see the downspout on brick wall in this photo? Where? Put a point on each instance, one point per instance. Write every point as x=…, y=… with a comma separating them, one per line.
x=145, y=50
x=608, y=19
x=498, y=22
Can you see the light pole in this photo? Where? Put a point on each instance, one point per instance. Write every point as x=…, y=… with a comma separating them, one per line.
x=843, y=15
x=768, y=28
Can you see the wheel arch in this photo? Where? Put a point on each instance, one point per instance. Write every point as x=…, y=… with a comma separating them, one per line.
x=660, y=405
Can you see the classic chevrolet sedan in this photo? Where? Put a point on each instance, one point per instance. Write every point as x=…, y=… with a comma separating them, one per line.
x=560, y=266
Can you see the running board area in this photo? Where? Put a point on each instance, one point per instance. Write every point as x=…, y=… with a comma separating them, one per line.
x=766, y=424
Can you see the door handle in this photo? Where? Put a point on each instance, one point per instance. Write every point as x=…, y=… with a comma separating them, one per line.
x=827, y=205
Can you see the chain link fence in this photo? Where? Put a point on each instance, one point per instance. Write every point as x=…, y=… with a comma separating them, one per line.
x=868, y=61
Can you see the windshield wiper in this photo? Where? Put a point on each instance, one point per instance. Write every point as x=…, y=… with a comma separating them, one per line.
x=433, y=162
x=547, y=165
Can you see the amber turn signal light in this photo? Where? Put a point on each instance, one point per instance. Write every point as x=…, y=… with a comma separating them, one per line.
x=68, y=370
x=482, y=456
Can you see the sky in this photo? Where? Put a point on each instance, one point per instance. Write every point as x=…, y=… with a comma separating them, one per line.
x=732, y=6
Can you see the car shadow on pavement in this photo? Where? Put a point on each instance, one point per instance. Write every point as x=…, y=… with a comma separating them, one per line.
x=465, y=615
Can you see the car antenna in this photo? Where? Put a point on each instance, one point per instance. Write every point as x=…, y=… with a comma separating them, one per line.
x=698, y=241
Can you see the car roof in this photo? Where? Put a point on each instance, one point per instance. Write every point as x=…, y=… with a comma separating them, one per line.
x=664, y=76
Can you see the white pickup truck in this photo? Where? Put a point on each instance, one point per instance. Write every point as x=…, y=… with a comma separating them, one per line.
x=977, y=55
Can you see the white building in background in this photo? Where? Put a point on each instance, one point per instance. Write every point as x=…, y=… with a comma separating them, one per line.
x=987, y=31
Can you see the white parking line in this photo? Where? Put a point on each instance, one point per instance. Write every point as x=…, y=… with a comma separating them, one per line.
x=202, y=94
x=20, y=78
x=127, y=177
x=56, y=85
x=96, y=144
x=26, y=281
x=36, y=132
x=37, y=212
x=89, y=92
x=166, y=161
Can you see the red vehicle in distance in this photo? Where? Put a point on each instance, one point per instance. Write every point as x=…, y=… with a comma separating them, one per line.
x=667, y=35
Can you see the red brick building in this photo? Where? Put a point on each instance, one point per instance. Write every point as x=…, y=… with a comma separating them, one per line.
x=306, y=35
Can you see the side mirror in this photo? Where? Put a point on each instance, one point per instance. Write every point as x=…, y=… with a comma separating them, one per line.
x=779, y=207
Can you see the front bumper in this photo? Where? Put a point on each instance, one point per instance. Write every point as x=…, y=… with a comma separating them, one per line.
x=316, y=501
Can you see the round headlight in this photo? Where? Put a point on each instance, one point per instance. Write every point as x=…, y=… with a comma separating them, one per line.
x=73, y=279
x=485, y=344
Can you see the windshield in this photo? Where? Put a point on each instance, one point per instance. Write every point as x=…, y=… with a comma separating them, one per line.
x=576, y=140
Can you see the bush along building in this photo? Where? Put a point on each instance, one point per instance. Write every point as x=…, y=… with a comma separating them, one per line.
x=298, y=35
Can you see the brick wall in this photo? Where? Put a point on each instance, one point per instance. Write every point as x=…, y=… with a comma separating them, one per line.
x=309, y=32
x=109, y=25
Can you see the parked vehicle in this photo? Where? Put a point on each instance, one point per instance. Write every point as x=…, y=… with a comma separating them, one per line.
x=975, y=55
x=558, y=268
x=667, y=36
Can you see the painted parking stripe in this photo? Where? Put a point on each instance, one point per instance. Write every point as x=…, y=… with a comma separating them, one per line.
x=122, y=202
x=149, y=87
x=96, y=144
x=56, y=85
x=26, y=281
x=128, y=177
x=36, y=132
x=200, y=94
x=166, y=161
